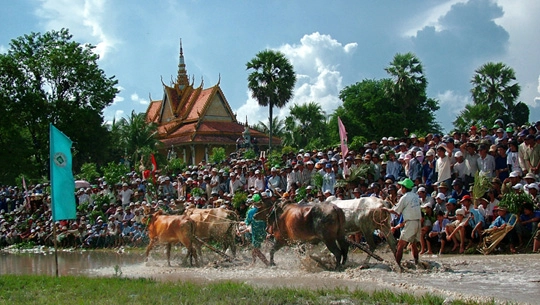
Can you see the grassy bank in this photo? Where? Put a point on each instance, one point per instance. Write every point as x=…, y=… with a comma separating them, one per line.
x=30, y=289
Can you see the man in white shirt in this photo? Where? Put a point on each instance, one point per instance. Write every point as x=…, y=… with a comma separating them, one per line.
x=125, y=195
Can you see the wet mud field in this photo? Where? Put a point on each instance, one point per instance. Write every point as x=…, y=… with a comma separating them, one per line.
x=504, y=278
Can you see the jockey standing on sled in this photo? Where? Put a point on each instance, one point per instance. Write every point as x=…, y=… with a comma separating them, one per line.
x=258, y=229
x=409, y=207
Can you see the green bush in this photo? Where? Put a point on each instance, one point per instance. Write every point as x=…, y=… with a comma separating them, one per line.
x=239, y=198
x=218, y=155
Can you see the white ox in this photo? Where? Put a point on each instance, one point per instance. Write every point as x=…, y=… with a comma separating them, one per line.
x=364, y=215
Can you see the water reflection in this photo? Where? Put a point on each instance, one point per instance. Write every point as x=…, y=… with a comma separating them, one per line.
x=69, y=263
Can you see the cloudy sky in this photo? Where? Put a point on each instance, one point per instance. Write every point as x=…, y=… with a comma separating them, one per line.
x=331, y=44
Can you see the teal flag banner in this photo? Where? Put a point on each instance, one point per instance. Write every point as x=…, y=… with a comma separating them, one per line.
x=62, y=182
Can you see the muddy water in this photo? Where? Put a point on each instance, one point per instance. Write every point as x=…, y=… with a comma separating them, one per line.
x=69, y=263
x=514, y=278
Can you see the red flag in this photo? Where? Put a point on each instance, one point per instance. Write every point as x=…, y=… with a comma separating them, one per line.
x=154, y=164
x=343, y=138
x=154, y=167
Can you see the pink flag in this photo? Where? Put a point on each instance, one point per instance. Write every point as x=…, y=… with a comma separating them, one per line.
x=343, y=138
x=26, y=197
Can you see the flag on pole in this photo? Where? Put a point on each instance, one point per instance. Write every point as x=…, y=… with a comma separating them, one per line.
x=344, y=148
x=154, y=167
x=26, y=195
x=343, y=138
x=62, y=182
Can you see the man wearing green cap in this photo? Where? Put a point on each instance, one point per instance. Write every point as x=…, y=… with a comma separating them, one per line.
x=258, y=229
x=409, y=207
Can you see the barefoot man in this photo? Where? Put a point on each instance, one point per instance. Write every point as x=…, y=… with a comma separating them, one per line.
x=409, y=207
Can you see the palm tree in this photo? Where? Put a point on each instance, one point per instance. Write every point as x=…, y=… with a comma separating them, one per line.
x=407, y=93
x=494, y=85
x=408, y=79
x=278, y=127
x=307, y=122
x=494, y=93
x=271, y=82
x=137, y=136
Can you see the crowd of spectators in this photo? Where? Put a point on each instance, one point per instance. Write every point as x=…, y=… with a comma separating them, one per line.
x=443, y=168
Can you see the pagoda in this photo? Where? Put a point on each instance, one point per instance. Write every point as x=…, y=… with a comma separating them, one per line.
x=191, y=121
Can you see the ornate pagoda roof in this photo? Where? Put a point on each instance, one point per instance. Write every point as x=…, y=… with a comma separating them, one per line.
x=192, y=115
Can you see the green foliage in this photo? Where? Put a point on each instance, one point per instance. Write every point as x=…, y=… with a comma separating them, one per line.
x=218, y=155
x=89, y=172
x=376, y=108
x=317, y=180
x=278, y=127
x=357, y=175
x=114, y=172
x=100, y=199
x=48, y=78
x=300, y=194
x=481, y=185
x=357, y=143
x=306, y=126
x=137, y=137
x=494, y=95
x=271, y=81
x=196, y=192
x=287, y=150
x=239, y=198
x=175, y=165
x=275, y=159
x=249, y=154
x=515, y=201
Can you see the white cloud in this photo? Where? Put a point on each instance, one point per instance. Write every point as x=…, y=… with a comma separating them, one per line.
x=118, y=99
x=453, y=101
x=252, y=111
x=428, y=17
x=86, y=19
x=118, y=114
x=523, y=46
x=316, y=61
x=135, y=97
x=3, y=49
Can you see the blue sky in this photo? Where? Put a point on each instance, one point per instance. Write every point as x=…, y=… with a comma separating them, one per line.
x=331, y=44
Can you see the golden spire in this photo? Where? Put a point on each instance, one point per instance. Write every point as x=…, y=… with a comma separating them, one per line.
x=182, y=80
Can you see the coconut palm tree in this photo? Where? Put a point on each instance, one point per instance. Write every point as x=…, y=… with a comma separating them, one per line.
x=137, y=136
x=271, y=82
x=494, y=95
x=307, y=122
x=494, y=85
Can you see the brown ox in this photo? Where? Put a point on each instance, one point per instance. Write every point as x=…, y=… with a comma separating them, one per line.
x=217, y=225
x=311, y=223
x=169, y=229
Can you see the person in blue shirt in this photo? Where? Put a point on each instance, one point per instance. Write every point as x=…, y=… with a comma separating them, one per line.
x=258, y=229
x=458, y=191
x=506, y=219
x=528, y=222
x=476, y=222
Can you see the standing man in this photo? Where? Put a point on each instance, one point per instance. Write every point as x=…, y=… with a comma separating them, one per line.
x=409, y=207
x=258, y=230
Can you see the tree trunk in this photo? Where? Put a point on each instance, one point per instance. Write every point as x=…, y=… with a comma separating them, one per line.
x=270, y=106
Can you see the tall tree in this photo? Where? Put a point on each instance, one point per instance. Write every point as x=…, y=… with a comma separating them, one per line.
x=494, y=95
x=48, y=78
x=271, y=82
x=307, y=124
x=137, y=137
x=408, y=93
x=278, y=127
